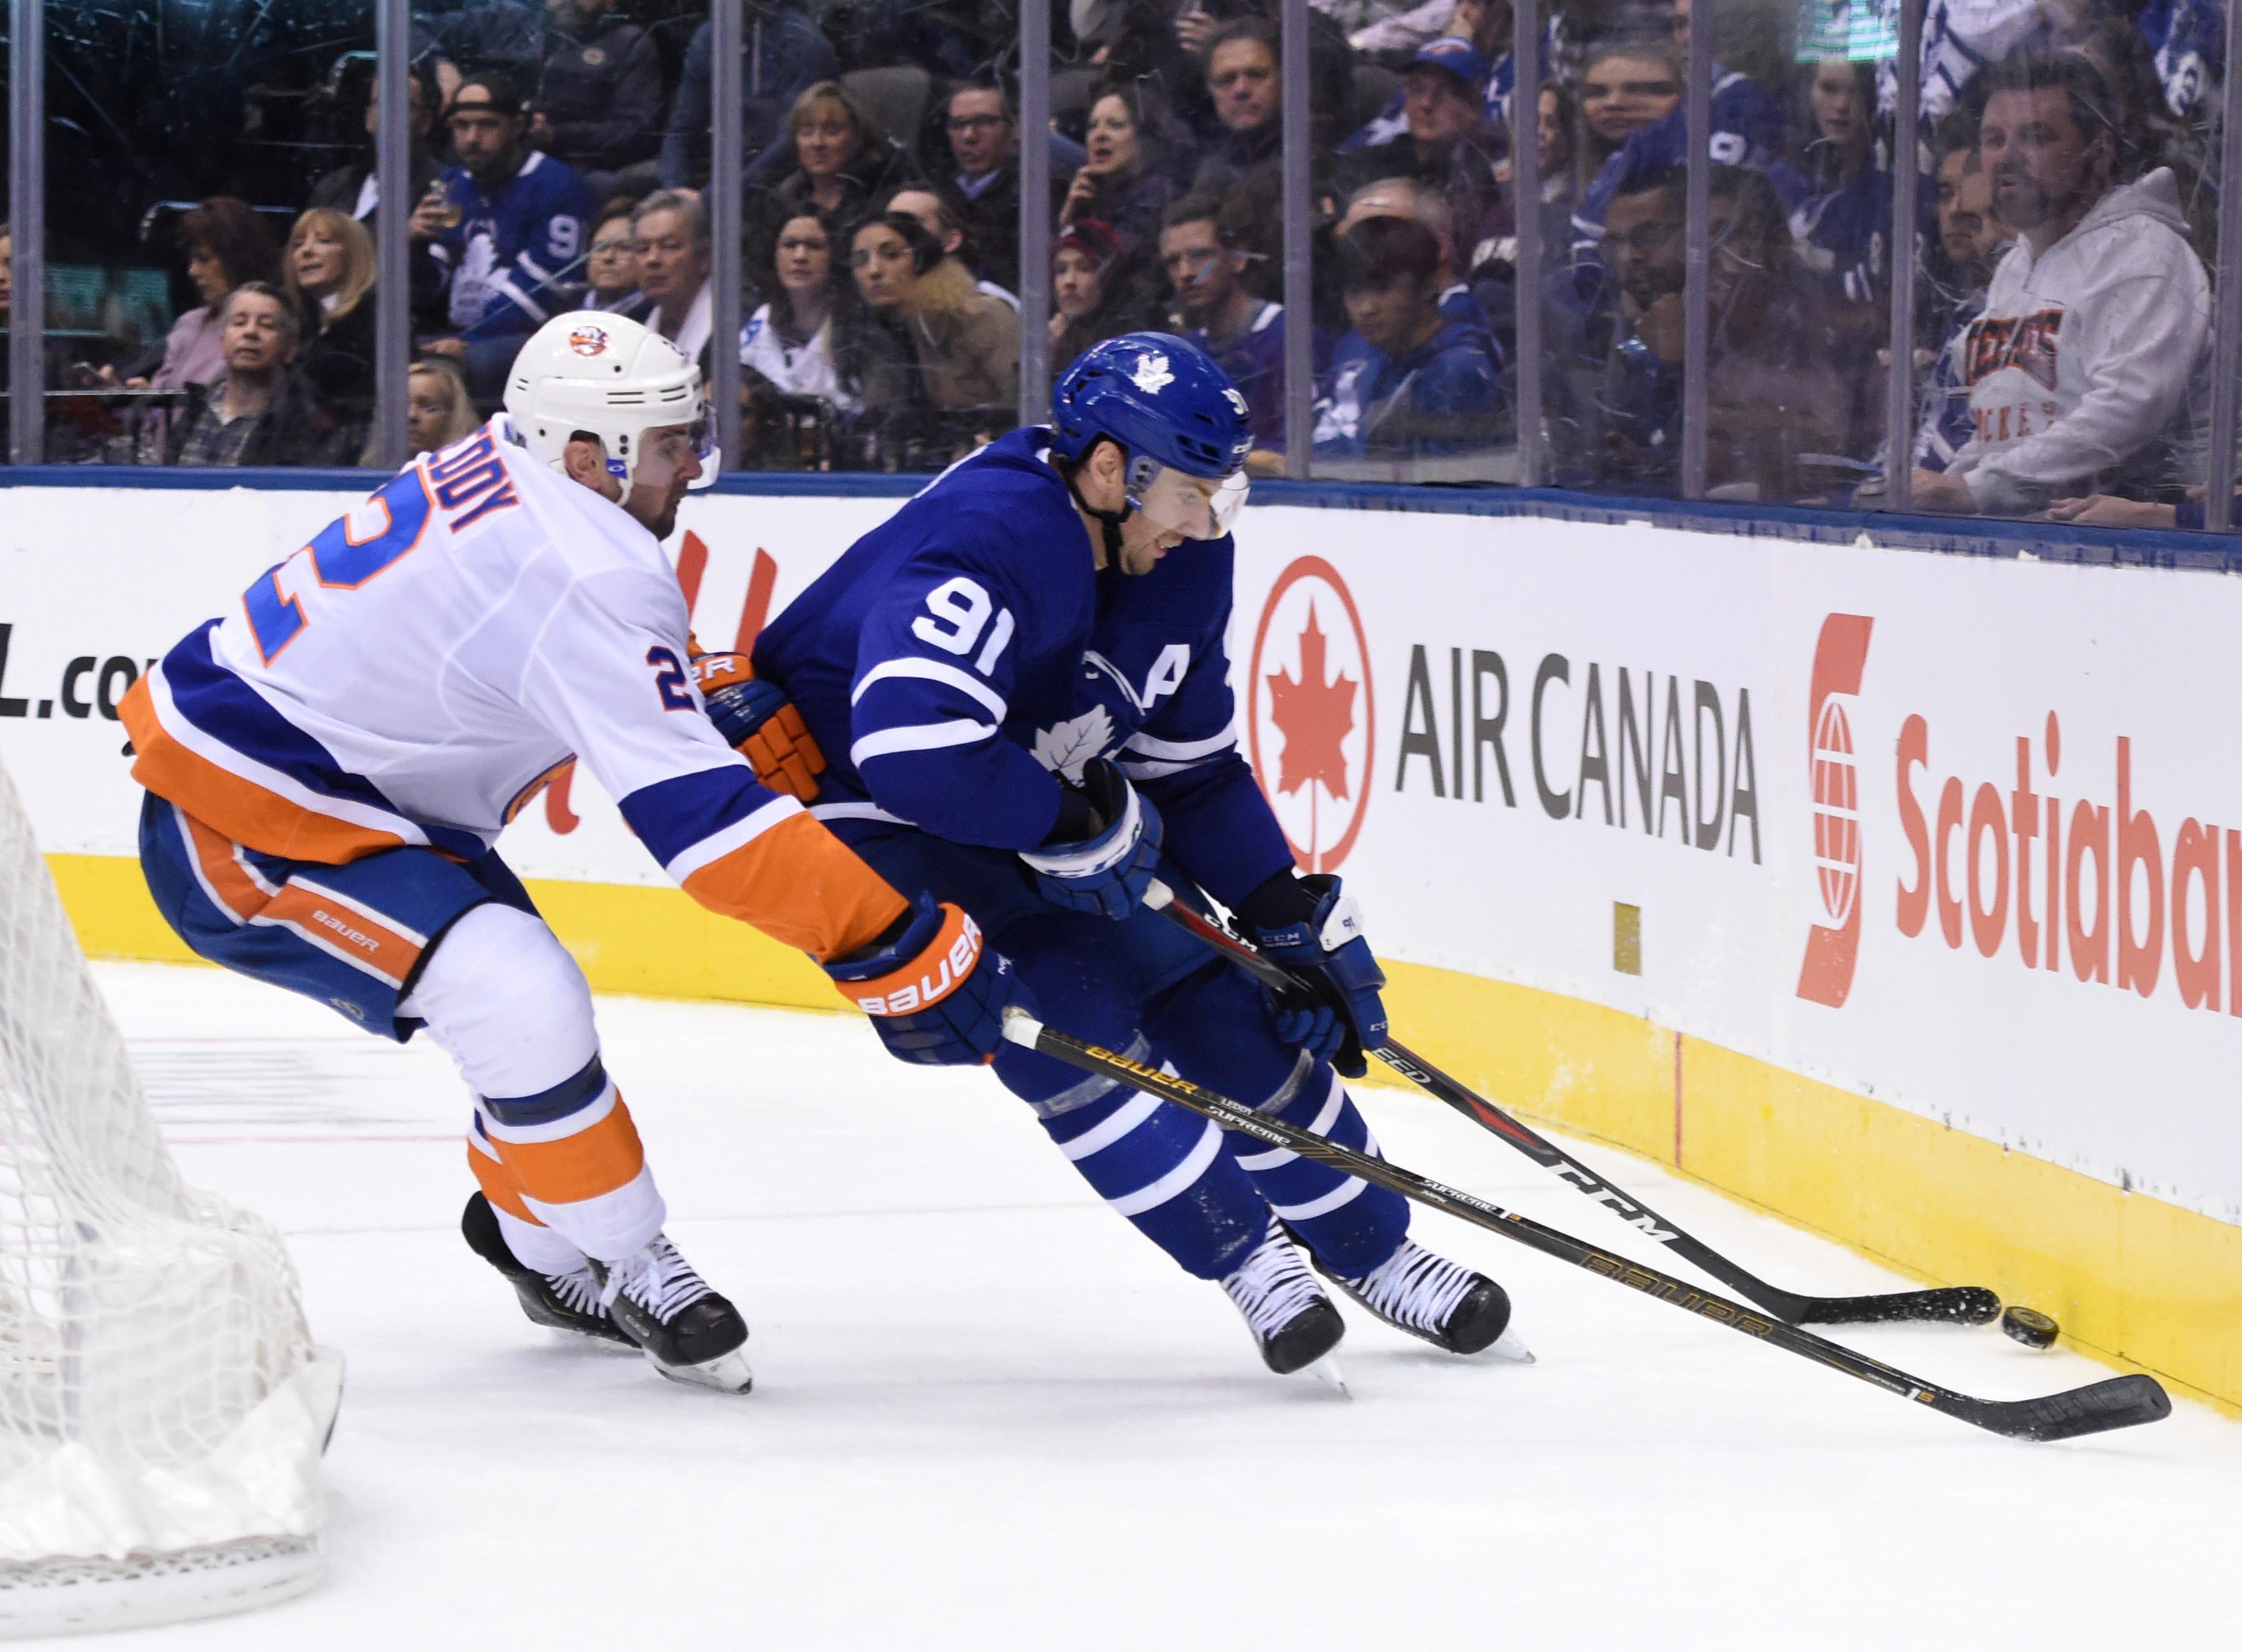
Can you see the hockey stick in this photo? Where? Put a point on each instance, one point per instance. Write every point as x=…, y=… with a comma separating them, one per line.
x=2116, y=1402
x=1961, y=1304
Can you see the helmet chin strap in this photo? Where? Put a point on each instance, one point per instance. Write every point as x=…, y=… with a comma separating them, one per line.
x=1109, y=520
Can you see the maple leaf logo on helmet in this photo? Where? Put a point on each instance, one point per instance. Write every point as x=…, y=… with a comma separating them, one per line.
x=1151, y=375
x=588, y=340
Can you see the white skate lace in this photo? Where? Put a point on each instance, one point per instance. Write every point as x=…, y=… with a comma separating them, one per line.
x=1414, y=1288
x=1274, y=1285
x=577, y=1291
x=657, y=1279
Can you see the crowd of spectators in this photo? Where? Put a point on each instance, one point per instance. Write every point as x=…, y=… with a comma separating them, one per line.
x=561, y=152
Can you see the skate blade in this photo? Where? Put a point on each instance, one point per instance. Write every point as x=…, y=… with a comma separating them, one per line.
x=1508, y=1346
x=726, y=1373
x=1327, y=1372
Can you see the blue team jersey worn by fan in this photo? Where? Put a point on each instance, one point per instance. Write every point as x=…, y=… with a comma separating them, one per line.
x=500, y=263
x=966, y=650
x=1374, y=398
x=1748, y=129
x=1255, y=361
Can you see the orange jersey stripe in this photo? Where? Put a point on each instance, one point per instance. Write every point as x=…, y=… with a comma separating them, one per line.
x=241, y=810
x=595, y=1160
x=800, y=884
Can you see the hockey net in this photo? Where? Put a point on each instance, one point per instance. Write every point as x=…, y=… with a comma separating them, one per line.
x=161, y=1407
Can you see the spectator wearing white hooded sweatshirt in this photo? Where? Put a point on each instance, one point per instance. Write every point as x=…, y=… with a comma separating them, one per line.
x=2081, y=369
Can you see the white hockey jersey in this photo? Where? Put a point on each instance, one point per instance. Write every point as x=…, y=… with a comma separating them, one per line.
x=2083, y=365
x=415, y=673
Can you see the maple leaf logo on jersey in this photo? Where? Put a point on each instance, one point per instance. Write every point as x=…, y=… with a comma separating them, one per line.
x=1065, y=747
x=1151, y=375
x=1314, y=717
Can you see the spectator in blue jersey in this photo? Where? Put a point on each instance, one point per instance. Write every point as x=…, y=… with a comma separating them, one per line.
x=597, y=106
x=1487, y=25
x=1447, y=146
x=1406, y=382
x=782, y=55
x=1205, y=259
x=495, y=243
x=1840, y=196
x=1748, y=125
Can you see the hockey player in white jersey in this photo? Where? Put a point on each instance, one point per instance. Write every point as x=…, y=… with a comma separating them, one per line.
x=329, y=764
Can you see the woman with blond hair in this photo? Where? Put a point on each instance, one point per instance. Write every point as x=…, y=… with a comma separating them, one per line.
x=842, y=165
x=437, y=409
x=329, y=269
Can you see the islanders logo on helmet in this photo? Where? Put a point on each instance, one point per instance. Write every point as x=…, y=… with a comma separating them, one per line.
x=588, y=340
x=1157, y=395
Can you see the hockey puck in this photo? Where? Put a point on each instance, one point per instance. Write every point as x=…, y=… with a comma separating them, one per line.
x=2028, y=1327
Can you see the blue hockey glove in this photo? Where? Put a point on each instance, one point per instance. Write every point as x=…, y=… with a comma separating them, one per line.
x=1312, y=929
x=936, y=994
x=758, y=721
x=1111, y=849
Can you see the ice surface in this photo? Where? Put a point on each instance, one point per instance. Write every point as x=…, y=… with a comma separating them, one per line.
x=988, y=1414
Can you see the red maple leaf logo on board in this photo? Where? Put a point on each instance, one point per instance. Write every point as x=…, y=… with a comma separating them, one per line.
x=1314, y=717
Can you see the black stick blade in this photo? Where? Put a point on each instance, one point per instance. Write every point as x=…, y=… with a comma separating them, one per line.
x=1955, y=1305
x=2121, y=1402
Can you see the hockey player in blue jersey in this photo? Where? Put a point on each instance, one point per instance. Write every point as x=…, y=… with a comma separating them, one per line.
x=1020, y=686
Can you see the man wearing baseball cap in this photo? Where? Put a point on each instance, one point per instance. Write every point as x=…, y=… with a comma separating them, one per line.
x=498, y=232
x=1447, y=144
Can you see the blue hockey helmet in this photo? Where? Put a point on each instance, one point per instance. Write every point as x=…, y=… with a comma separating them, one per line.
x=1179, y=422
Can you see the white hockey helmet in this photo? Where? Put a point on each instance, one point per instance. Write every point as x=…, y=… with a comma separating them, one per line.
x=616, y=377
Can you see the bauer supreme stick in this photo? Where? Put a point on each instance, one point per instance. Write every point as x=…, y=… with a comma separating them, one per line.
x=2116, y=1402
x=1961, y=1304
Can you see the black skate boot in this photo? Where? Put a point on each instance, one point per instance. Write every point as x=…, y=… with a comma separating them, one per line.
x=1428, y=1296
x=1288, y=1313
x=689, y=1333
x=559, y=1302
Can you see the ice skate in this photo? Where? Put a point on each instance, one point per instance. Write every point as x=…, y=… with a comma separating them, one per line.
x=1288, y=1313
x=687, y=1331
x=1443, y=1302
x=559, y=1302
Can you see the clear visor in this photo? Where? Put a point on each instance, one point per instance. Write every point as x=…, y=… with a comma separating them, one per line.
x=1195, y=507
x=665, y=451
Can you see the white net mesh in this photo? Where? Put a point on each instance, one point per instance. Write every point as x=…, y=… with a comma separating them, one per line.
x=162, y=1408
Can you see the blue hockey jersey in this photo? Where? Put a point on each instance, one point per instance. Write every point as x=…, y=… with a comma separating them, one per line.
x=502, y=265
x=967, y=651
x=1748, y=130
x=1255, y=361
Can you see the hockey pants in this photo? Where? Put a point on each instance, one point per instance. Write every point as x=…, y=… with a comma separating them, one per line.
x=1145, y=988
x=409, y=939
